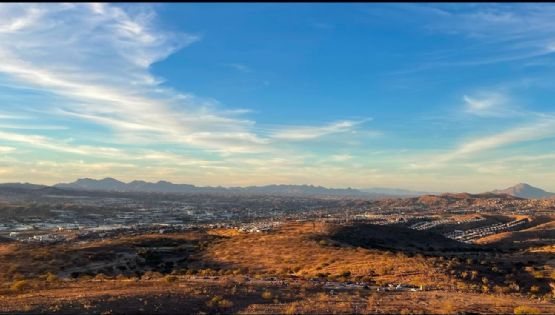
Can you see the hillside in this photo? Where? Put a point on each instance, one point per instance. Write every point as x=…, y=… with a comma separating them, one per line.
x=301, y=267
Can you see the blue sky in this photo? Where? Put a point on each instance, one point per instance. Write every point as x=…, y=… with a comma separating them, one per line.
x=438, y=97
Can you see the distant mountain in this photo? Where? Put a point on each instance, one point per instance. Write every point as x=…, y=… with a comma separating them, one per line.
x=300, y=190
x=525, y=191
x=111, y=184
x=106, y=184
x=22, y=186
x=395, y=192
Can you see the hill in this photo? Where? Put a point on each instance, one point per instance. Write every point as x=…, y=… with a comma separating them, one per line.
x=523, y=190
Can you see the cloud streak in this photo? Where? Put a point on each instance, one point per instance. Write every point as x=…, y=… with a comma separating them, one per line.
x=490, y=104
x=302, y=133
x=541, y=129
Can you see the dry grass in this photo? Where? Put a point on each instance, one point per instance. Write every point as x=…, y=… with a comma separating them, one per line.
x=292, y=249
x=33, y=282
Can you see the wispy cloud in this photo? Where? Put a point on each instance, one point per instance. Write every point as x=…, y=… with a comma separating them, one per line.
x=58, y=146
x=4, y=149
x=240, y=67
x=491, y=33
x=543, y=128
x=301, y=133
x=32, y=127
x=490, y=104
x=99, y=55
x=341, y=157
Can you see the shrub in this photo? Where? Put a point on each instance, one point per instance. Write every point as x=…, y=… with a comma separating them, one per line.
x=500, y=289
x=50, y=277
x=149, y=275
x=225, y=303
x=100, y=277
x=537, y=274
x=534, y=289
x=170, y=279
x=20, y=285
x=526, y=310
x=214, y=301
x=292, y=309
x=122, y=277
x=267, y=295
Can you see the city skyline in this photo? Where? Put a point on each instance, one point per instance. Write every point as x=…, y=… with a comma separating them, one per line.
x=434, y=97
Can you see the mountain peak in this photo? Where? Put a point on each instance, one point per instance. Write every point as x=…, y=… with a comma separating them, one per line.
x=110, y=180
x=107, y=183
x=527, y=191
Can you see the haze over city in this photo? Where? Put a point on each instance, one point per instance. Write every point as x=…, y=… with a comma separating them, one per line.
x=433, y=97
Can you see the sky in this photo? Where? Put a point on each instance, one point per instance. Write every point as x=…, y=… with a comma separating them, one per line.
x=434, y=97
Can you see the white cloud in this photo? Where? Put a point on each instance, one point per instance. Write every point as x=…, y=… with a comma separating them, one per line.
x=491, y=104
x=300, y=133
x=341, y=157
x=59, y=146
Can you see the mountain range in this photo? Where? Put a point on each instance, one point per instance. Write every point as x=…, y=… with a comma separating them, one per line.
x=113, y=185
